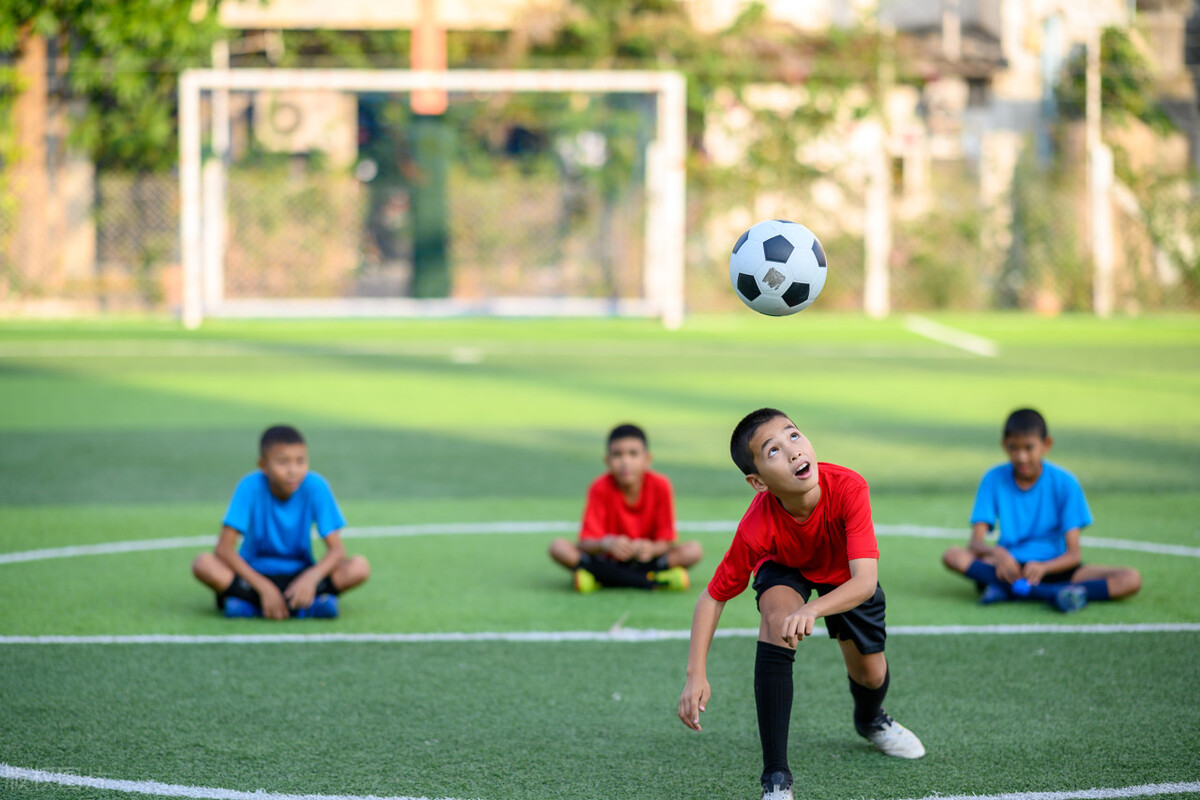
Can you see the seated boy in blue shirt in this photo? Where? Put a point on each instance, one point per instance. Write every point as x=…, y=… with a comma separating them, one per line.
x=1041, y=510
x=273, y=509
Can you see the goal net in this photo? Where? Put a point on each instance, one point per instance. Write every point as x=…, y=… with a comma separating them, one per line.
x=310, y=193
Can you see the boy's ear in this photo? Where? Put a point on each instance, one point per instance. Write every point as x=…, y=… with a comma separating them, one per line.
x=756, y=483
x=262, y=463
x=1048, y=442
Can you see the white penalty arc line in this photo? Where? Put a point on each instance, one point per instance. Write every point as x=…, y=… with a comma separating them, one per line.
x=560, y=527
x=923, y=326
x=616, y=635
x=158, y=789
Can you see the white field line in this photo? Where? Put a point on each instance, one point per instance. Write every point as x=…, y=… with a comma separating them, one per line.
x=157, y=789
x=560, y=527
x=951, y=336
x=615, y=635
x=456, y=352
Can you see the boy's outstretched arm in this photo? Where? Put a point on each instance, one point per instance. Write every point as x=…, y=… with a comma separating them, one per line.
x=696, y=691
x=273, y=604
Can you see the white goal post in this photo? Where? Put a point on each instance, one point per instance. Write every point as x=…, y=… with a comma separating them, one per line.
x=202, y=203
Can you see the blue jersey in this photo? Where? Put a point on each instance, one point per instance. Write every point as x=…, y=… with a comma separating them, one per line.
x=1034, y=521
x=277, y=534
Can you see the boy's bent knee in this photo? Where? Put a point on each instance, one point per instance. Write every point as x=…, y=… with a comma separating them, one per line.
x=957, y=559
x=564, y=552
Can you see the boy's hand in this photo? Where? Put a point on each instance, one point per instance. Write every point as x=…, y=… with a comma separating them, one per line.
x=273, y=604
x=797, y=625
x=693, y=700
x=643, y=549
x=301, y=591
x=620, y=547
x=1034, y=572
x=1007, y=567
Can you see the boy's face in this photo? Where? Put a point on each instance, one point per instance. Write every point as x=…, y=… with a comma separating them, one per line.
x=1026, y=451
x=627, y=460
x=285, y=466
x=784, y=461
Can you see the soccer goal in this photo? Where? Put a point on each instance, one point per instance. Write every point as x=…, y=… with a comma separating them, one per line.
x=560, y=193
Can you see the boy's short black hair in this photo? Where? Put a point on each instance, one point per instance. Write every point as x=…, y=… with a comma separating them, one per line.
x=743, y=432
x=627, y=431
x=278, y=434
x=1024, y=422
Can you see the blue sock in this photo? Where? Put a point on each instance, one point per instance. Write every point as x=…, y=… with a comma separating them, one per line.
x=1096, y=590
x=981, y=571
x=1045, y=591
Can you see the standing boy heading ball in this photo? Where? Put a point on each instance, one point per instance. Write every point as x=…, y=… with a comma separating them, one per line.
x=808, y=529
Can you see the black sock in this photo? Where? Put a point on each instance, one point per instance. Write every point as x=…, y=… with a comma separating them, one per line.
x=240, y=589
x=868, y=703
x=773, y=699
x=1096, y=589
x=614, y=573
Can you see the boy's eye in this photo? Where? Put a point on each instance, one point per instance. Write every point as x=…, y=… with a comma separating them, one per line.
x=795, y=436
x=772, y=451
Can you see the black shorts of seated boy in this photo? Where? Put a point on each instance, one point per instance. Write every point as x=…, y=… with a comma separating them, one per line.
x=809, y=539
x=628, y=535
x=273, y=511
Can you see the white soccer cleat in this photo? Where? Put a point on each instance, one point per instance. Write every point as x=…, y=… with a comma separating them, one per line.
x=893, y=739
x=777, y=786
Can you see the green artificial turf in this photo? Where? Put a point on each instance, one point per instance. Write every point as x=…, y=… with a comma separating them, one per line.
x=136, y=430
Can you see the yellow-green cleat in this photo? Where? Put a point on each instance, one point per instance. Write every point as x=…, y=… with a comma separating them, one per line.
x=585, y=582
x=674, y=579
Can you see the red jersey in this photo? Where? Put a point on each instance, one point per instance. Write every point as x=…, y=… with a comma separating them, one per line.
x=837, y=531
x=651, y=517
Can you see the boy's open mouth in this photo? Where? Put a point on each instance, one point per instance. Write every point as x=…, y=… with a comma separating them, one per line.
x=804, y=470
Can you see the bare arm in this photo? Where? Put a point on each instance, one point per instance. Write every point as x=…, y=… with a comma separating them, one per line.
x=696, y=691
x=303, y=589
x=1006, y=566
x=864, y=577
x=1072, y=558
x=273, y=604
x=619, y=547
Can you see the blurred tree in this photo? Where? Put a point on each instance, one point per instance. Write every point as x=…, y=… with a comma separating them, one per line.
x=123, y=58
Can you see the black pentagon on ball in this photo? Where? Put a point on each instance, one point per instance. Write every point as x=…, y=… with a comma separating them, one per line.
x=749, y=287
x=778, y=249
x=796, y=294
x=819, y=253
x=741, y=241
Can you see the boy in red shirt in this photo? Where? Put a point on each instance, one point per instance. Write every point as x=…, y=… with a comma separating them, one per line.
x=808, y=529
x=628, y=535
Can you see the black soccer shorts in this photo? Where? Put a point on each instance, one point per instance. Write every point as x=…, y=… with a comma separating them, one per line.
x=863, y=624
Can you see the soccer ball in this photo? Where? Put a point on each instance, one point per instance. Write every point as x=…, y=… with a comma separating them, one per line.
x=777, y=267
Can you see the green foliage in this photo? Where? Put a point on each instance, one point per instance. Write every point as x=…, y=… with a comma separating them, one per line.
x=123, y=59
x=1045, y=253
x=1126, y=84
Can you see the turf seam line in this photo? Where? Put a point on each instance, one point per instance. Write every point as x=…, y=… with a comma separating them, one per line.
x=619, y=635
x=540, y=527
x=159, y=789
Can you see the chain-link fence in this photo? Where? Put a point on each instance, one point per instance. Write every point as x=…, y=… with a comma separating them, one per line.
x=296, y=227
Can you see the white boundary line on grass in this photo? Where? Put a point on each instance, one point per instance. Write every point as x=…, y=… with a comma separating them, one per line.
x=567, y=527
x=923, y=326
x=158, y=789
x=611, y=636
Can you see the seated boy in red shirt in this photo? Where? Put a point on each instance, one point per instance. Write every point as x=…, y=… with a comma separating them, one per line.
x=628, y=536
x=808, y=530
